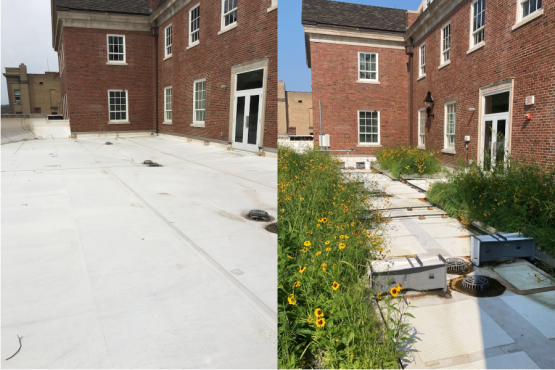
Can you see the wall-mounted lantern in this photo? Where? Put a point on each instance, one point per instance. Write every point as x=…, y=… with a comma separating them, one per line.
x=409, y=49
x=429, y=104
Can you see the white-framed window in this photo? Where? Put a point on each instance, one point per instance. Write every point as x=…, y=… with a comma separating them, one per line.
x=450, y=121
x=422, y=61
x=17, y=96
x=168, y=98
x=199, y=101
x=117, y=100
x=229, y=13
x=116, y=48
x=168, y=38
x=422, y=127
x=367, y=66
x=65, y=107
x=528, y=7
x=478, y=22
x=446, y=43
x=368, y=127
x=194, y=25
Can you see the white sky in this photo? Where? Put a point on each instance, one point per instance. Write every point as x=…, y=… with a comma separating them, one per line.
x=26, y=38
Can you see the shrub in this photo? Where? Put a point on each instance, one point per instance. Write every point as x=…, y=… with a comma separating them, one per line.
x=404, y=160
x=326, y=318
x=515, y=198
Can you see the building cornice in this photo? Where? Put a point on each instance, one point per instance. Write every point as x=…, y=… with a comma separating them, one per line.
x=96, y=20
x=166, y=11
x=434, y=15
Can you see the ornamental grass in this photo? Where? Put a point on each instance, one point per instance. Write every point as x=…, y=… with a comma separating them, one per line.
x=519, y=197
x=326, y=314
x=406, y=160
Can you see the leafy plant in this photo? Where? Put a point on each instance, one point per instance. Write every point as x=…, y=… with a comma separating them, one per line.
x=402, y=160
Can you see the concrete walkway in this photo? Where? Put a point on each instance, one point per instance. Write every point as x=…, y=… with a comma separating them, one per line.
x=514, y=330
x=109, y=263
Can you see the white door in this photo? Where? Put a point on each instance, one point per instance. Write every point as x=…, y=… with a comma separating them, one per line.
x=246, y=123
x=496, y=139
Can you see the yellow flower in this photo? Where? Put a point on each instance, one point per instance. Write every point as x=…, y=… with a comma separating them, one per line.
x=324, y=266
x=324, y=220
x=304, y=250
x=310, y=319
x=318, y=313
x=292, y=300
x=379, y=296
x=307, y=243
x=288, y=256
x=320, y=323
x=335, y=285
x=400, y=287
x=298, y=283
x=301, y=269
x=346, y=236
x=318, y=253
x=327, y=242
x=317, y=225
x=328, y=249
x=341, y=236
x=394, y=291
x=341, y=245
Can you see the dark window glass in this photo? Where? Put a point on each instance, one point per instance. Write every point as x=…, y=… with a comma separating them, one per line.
x=498, y=103
x=250, y=80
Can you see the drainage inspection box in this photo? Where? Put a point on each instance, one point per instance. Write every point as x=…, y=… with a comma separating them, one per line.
x=413, y=273
x=487, y=248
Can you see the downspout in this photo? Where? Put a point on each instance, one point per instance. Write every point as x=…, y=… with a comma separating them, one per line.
x=155, y=34
x=411, y=59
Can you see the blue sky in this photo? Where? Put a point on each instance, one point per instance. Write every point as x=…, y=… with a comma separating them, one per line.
x=292, y=67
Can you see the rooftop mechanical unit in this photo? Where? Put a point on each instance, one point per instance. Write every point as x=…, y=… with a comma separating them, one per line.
x=413, y=273
x=487, y=248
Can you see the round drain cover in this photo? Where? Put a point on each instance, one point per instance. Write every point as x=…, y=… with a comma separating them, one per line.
x=153, y=164
x=109, y=143
x=476, y=283
x=455, y=264
x=272, y=228
x=148, y=161
x=258, y=215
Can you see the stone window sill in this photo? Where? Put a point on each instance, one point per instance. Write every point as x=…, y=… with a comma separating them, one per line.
x=444, y=64
x=119, y=122
x=228, y=28
x=193, y=45
x=476, y=47
x=116, y=63
x=421, y=147
x=167, y=123
x=527, y=19
x=448, y=151
x=198, y=125
x=368, y=82
x=168, y=57
x=421, y=77
x=369, y=146
x=271, y=8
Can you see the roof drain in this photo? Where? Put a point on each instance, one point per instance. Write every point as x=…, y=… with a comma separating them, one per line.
x=455, y=264
x=258, y=215
x=476, y=283
x=273, y=228
x=148, y=161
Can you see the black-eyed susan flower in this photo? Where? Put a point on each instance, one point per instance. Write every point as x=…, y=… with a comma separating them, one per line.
x=394, y=291
x=307, y=243
x=292, y=300
x=346, y=236
x=341, y=236
x=324, y=220
x=318, y=313
x=324, y=266
x=379, y=296
x=304, y=250
x=400, y=287
x=341, y=245
x=318, y=253
x=301, y=269
x=327, y=242
x=320, y=323
x=335, y=285
x=328, y=249
x=297, y=284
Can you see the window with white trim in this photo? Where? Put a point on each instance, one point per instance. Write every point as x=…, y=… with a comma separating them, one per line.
x=528, y=7
x=450, y=126
x=17, y=96
x=229, y=12
x=478, y=22
x=194, y=25
x=168, y=98
x=367, y=66
x=422, y=61
x=199, y=101
x=368, y=127
x=422, y=127
x=168, y=36
x=116, y=48
x=446, y=43
x=118, y=105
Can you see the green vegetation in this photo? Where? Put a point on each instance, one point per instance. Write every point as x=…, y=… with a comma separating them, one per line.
x=406, y=160
x=327, y=317
x=518, y=197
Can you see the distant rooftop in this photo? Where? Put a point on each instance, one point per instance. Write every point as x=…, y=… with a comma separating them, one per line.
x=335, y=13
x=138, y=7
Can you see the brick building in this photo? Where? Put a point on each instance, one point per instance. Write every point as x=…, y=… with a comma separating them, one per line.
x=488, y=65
x=203, y=69
x=33, y=93
x=294, y=112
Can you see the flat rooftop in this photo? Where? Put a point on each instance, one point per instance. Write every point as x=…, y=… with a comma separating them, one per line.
x=108, y=263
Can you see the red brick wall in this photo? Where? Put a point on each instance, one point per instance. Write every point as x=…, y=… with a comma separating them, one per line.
x=254, y=37
x=411, y=18
x=334, y=83
x=87, y=79
x=526, y=54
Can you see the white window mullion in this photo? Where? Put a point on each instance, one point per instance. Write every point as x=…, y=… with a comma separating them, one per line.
x=478, y=22
x=199, y=101
x=118, y=105
x=229, y=12
x=168, y=41
x=450, y=123
x=369, y=127
x=116, y=48
x=367, y=66
x=422, y=59
x=194, y=25
x=168, y=103
x=446, y=44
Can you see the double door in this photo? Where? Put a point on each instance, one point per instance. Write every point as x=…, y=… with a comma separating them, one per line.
x=246, y=123
x=496, y=140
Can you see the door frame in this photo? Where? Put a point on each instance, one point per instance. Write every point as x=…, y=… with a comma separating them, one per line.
x=493, y=89
x=494, y=117
x=245, y=145
x=262, y=63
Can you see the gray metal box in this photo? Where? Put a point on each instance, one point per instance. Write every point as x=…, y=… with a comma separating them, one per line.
x=360, y=165
x=487, y=248
x=413, y=273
